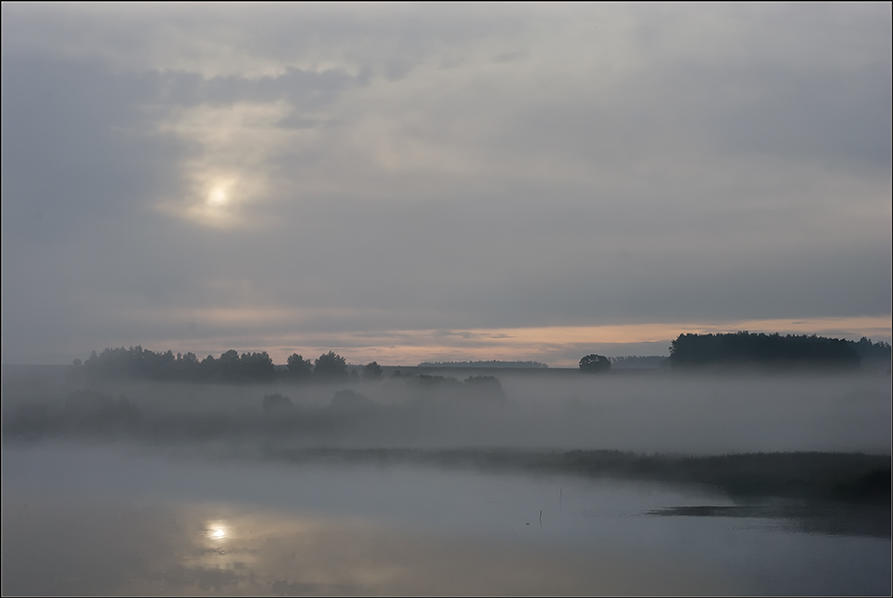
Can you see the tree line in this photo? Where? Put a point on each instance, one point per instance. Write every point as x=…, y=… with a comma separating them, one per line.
x=230, y=366
x=749, y=348
x=741, y=348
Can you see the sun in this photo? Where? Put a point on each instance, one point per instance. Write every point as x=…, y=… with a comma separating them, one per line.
x=215, y=200
x=217, y=197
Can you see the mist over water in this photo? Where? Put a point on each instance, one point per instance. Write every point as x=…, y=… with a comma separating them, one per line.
x=209, y=489
x=643, y=412
x=198, y=199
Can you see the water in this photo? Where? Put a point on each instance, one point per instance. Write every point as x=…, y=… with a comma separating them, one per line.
x=115, y=520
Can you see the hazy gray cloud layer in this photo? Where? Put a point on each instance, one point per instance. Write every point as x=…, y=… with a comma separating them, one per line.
x=359, y=168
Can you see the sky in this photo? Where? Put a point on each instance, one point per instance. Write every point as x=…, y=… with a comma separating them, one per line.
x=421, y=182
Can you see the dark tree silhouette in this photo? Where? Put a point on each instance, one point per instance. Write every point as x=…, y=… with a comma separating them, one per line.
x=330, y=366
x=256, y=366
x=208, y=367
x=743, y=348
x=298, y=367
x=372, y=370
x=595, y=363
x=137, y=362
x=868, y=350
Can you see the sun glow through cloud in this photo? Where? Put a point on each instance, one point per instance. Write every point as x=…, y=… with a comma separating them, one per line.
x=216, y=531
x=462, y=192
x=229, y=165
x=218, y=197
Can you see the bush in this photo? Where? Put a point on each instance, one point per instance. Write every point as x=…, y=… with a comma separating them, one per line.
x=595, y=363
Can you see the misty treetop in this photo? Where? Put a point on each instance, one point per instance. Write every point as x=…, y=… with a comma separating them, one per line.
x=330, y=365
x=868, y=350
x=298, y=367
x=742, y=348
x=594, y=363
x=136, y=362
x=372, y=370
x=230, y=366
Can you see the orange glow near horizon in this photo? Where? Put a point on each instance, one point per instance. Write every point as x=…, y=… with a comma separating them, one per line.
x=548, y=344
x=654, y=332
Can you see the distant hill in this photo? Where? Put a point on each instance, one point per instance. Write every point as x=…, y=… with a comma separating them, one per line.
x=639, y=362
x=482, y=364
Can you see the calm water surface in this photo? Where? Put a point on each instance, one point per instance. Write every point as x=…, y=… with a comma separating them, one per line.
x=106, y=520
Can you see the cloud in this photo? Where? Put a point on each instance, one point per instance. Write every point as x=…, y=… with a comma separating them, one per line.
x=450, y=167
